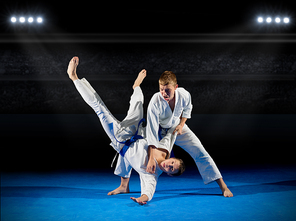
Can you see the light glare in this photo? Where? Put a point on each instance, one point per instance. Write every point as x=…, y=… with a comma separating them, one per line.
x=39, y=20
x=13, y=19
x=22, y=19
x=260, y=19
x=277, y=20
x=268, y=20
x=286, y=20
x=30, y=20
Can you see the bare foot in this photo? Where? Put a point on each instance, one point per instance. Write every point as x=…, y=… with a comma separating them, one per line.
x=119, y=190
x=72, y=68
x=227, y=193
x=140, y=78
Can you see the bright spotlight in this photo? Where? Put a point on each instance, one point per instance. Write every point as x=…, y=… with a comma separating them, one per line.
x=260, y=19
x=277, y=20
x=22, y=19
x=30, y=20
x=13, y=19
x=268, y=20
x=286, y=20
x=39, y=20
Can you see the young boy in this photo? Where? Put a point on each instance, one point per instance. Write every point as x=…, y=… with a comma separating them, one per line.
x=170, y=108
x=125, y=138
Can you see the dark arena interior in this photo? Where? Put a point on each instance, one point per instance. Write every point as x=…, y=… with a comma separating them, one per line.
x=241, y=74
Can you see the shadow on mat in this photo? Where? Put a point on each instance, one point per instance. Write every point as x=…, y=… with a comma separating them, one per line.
x=236, y=190
x=69, y=192
x=57, y=192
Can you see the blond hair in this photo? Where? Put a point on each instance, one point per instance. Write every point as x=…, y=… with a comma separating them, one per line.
x=168, y=77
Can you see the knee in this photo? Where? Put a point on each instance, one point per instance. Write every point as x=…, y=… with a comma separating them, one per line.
x=198, y=153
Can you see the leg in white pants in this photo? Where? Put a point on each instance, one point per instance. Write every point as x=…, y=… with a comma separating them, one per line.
x=90, y=96
x=205, y=164
x=134, y=115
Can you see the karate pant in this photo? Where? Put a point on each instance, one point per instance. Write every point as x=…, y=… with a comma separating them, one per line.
x=134, y=115
x=204, y=162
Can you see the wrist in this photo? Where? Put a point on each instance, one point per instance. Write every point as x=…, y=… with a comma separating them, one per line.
x=182, y=121
x=182, y=124
x=151, y=152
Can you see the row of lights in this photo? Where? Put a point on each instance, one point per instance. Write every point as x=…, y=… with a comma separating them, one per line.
x=277, y=20
x=24, y=19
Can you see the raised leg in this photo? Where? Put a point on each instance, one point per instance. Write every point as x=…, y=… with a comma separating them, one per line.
x=89, y=95
x=72, y=68
x=140, y=78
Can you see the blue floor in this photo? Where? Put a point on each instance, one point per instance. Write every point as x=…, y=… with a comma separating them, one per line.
x=260, y=193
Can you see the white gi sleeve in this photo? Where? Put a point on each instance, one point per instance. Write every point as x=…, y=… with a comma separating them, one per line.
x=148, y=184
x=168, y=141
x=152, y=123
x=188, y=106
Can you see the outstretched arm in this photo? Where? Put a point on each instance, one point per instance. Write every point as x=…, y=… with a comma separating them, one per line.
x=148, y=186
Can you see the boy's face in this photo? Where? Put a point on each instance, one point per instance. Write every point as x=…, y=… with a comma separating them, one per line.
x=170, y=166
x=168, y=91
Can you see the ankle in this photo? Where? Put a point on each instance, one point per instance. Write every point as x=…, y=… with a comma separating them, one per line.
x=221, y=184
x=73, y=77
x=124, y=186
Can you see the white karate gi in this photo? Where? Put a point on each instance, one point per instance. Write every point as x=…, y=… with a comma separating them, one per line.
x=137, y=154
x=160, y=113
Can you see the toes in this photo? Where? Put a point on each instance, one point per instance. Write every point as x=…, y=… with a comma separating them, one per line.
x=76, y=60
x=112, y=193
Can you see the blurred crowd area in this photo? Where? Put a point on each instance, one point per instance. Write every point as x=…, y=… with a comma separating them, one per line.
x=126, y=59
x=39, y=83
x=208, y=97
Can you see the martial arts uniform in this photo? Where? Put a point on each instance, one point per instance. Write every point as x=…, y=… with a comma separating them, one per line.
x=136, y=155
x=160, y=113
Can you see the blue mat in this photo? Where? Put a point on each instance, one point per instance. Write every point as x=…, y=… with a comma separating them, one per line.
x=260, y=193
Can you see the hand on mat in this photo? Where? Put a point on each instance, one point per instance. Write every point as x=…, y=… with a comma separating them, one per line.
x=151, y=166
x=140, y=200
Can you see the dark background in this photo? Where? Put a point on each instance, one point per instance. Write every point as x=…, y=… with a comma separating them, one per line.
x=241, y=77
x=148, y=16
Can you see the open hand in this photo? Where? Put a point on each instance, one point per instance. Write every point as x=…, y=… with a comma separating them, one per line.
x=141, y=200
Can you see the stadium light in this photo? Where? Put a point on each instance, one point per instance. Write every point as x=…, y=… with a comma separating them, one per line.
x=26, y=20
x=22, y=19
x=277, y=20
x=268, y=20
x=39, y=20
x=30, y=20
x=260, y=19
x=13, y=19
x=286, y=20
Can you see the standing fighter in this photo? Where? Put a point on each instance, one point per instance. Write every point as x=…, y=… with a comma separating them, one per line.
x=170, y=108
